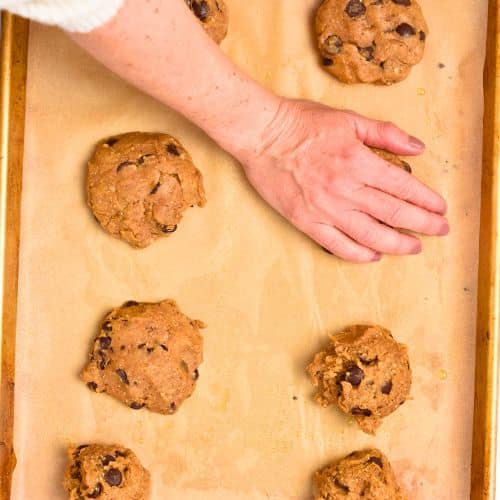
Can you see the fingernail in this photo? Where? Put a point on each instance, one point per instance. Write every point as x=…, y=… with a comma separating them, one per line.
x=376, y=257
x=415, y=143
x=417, y=250
x=445, y=229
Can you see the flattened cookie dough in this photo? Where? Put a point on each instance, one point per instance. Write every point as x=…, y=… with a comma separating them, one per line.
x=371, y=41
x=107, y=472
x=392, y=158
x=363, y=371
x=139, y=185
x=362, y=474
x=213, y=15
x=146, y=355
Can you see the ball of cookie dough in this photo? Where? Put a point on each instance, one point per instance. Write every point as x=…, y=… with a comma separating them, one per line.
x=146, y=355
x=213, y=16
x=363, y=371
x=139, y=185
x=107, y=472
x=362, y=474
x=392, y=158
x=372, y=41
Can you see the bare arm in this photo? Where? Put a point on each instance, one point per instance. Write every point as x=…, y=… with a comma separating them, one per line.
x=308, y=161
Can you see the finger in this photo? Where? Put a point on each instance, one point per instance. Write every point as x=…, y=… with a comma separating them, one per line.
x=386, y=135
x=337, y=243
x=400, y=214
x=386, y=177
x=369, y=232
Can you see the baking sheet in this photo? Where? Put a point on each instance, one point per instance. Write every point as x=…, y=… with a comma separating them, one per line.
x=268, y=294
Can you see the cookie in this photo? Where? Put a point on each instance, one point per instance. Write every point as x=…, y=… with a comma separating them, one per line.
x=139, y=185
x=362, y=474
x=392, y=158
x=371, y=41
x=213, y=16
x=146, y=355
x=107, y=472
x=363, y=371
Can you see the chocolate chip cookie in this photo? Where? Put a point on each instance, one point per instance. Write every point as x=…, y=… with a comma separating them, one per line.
x=146, y=355
x=107, y=472
x=139, y=185
x=362, y=474
x=213, y=16
x=363, y=371
x=372, y=41
x=392, y=158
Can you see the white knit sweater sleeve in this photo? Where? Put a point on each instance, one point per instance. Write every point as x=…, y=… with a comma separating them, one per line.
x=71, y=15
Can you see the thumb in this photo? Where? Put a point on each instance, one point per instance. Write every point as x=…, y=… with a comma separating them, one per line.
x=386, y=135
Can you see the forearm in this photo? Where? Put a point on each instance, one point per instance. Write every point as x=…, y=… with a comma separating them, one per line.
x=160, y=47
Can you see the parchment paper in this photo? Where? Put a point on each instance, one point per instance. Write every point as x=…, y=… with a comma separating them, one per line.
x=269, y=295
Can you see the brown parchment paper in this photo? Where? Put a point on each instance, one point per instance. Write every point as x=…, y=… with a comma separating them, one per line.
x=269, y=295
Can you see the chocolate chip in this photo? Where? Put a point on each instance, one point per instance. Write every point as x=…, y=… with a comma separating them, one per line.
x=327, y=62
x=130, y=303
x=355, y=375
x=405, y=30
x=376, y=460
x=107, y=326
x=141, y=346
x=122, y=348
x=406, y=166
x=340, y=485
x=124, y=164
x=123, y=375
x=164, y=347
x=157, y=186
x=111, y=141
x=104, y=360
x=422, y=36
x=122, y=454
x=172, y=149
x=97, y=491
x=365, y=412
x=355, y=8
x=92, y=386
x=201, y=10
x=76, y=473
x=441, y=66
x=295, y=398
x=406, y=3
x=113, y=477
x=104, y=342
x=173, y=406
x=368, y=361
x=150, y=350
x=367, y=52
x=167, y=229
x=136, y=406
x=387, y=387
x=333, y=45
x=82, y=447
x=106, y=460
x=196, y=374
x=142, y=158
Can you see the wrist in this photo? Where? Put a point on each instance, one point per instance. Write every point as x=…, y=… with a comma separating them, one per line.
x=242, y=125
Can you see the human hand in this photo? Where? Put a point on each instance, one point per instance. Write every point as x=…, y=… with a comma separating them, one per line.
x=316, y=169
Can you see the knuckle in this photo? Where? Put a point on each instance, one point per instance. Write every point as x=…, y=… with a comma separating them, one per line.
x=404, y=187
x=367, y=236
x=394, y=216
x=384, y=127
